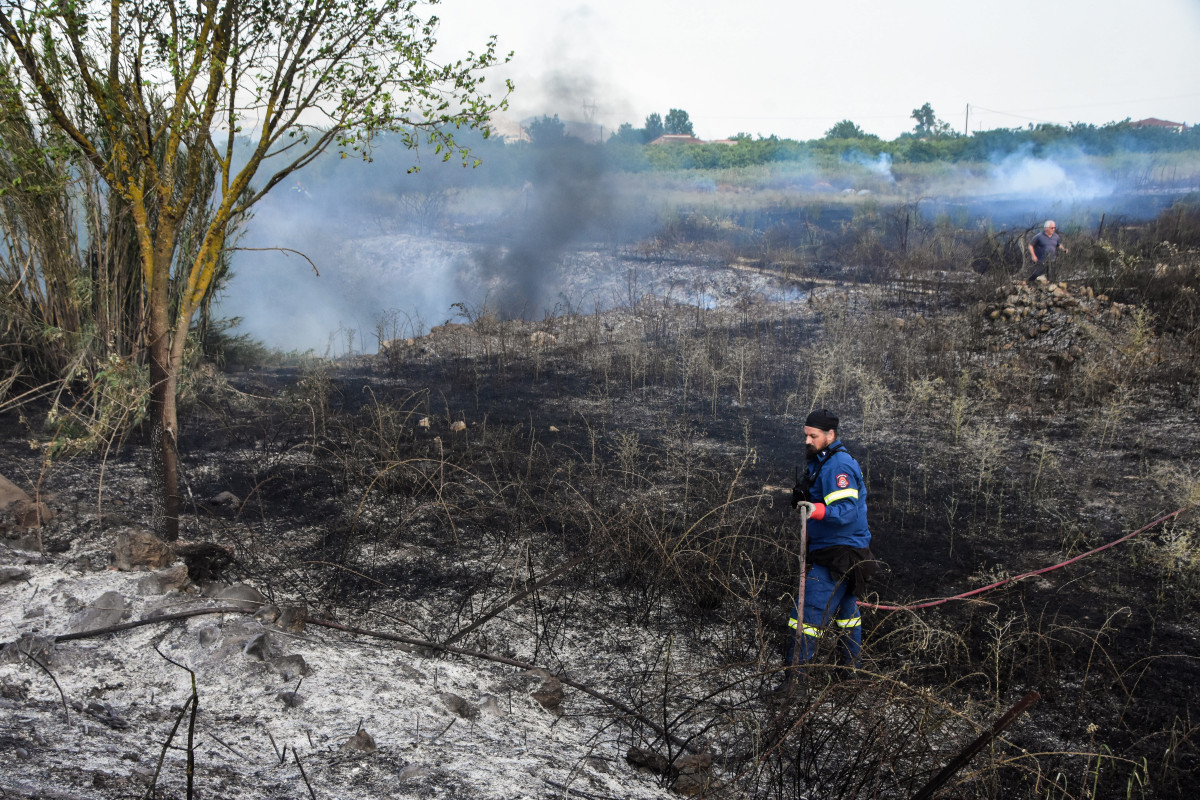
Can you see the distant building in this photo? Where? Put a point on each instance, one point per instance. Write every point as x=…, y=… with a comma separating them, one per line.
x=1154, y=122
x=676, y=138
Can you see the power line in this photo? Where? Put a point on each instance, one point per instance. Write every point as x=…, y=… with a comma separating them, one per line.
x=1010, y=114
x=1082, y=105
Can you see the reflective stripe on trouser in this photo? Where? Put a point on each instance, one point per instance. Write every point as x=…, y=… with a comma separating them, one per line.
x=826, y=603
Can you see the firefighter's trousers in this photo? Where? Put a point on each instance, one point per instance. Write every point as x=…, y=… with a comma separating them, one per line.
x=830, y=611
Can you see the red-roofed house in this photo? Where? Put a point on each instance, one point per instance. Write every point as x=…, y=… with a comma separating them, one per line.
x=677, y=138
x=1154, y=122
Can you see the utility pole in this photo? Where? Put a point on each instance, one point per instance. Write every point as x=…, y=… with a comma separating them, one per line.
x=967, y=121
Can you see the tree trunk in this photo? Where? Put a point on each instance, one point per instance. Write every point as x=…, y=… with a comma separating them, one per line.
x=164, y=467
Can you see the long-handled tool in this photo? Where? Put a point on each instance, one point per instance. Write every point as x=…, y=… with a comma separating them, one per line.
x=799, y=594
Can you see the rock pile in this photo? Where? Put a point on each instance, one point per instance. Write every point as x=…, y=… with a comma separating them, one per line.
x=1050, y=316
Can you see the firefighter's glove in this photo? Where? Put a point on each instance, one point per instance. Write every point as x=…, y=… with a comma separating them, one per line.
x=805, y=508
x=812, y=510
x=797, y=495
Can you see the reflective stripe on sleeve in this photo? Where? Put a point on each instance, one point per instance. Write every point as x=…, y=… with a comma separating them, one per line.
x=852, y=622
x=841, y=494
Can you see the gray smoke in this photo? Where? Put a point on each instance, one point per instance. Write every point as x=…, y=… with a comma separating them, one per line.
x=566, y=202
x=1061, y=176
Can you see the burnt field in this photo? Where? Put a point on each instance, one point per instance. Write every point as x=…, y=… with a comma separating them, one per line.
x=605, y=496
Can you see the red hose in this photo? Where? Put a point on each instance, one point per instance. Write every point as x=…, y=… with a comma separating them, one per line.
x=964, y=595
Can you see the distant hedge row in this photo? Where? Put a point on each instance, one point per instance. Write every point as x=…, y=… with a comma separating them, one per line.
x=1094, y=140
x=565, y=157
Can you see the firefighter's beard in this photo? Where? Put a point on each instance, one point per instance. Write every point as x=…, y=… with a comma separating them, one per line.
x=811, y=451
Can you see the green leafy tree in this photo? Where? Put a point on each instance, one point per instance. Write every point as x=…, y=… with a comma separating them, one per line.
x=677, y=122
x=167, y=85
x=928, y=125
x=546, y=131
x=654, y=128
x=627, y=134
x=845, y=130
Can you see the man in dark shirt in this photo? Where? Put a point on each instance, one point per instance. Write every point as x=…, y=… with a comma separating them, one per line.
x=1044, y=248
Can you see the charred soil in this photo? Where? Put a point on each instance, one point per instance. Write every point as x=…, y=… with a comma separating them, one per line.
x=605, y=497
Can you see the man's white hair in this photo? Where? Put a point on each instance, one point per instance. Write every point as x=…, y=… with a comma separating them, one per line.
x=1048, y=224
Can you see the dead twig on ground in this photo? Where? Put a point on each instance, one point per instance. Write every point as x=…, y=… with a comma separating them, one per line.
x=29, y=654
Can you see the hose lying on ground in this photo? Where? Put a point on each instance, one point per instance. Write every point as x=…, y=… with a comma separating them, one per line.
x=1022, y=576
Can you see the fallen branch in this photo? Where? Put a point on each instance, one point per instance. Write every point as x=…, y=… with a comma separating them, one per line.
x=125, y=626
x=29, y=654
x=961, y=760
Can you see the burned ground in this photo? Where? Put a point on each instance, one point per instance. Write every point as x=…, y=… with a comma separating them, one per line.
x=417, y=491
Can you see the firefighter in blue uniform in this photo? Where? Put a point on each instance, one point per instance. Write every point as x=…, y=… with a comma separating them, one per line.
x=839, y=558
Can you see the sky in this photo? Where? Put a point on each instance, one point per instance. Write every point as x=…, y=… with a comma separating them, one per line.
x=793, y=69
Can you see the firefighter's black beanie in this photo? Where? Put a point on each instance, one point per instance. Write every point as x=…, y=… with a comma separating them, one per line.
x=822, y=418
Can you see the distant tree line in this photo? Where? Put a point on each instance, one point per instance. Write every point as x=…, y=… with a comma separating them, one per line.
x=931, y=139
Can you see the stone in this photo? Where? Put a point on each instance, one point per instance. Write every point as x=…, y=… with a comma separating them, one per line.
x=692, y=763
x=225, y=500
x=290, y=699
x=692, y=785
x=648, y=759
x=459, y=706
x=550, y=694
x=268, y=613
x=293, y=618
x=260, y=647
x=171, y=579
x=25, y=511
x=490, y=705
x=241, y=595
x=30, y=514
x=457, y=426
x=208, y=635
x=139, y=549
x=30, y=543
x=106, y=610
x=361, y=742
x=413, y=772
x=289, y=668
x=12, y=575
